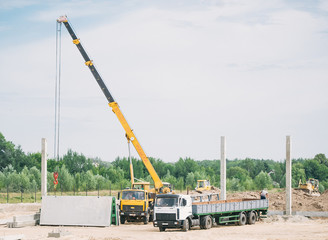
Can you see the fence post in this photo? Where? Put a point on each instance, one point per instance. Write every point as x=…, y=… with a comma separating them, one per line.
x=86, y=189
x=7, y=193
x=21, y=194
x=74, y=189
x=98, y=190
x=35, y=194
x=110, y=189
x=61, y=190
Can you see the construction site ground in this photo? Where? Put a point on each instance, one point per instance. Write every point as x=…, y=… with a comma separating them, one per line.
x=273, y=227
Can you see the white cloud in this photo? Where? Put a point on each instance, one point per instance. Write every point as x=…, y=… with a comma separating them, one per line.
x=183, y=78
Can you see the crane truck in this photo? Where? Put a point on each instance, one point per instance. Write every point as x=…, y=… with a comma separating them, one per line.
x=184, y=211
x=138, y=207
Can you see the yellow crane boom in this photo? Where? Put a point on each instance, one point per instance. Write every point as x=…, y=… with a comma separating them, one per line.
x=113, y=104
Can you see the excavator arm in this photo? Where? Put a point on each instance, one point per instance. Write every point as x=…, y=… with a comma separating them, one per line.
x=113, y=104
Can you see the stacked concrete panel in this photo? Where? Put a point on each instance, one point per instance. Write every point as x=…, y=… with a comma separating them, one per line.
x=76, y=210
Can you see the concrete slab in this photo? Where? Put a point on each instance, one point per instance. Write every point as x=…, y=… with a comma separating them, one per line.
x=21, y=224
x=12, y=237
x=76, y=211
x=57, y=233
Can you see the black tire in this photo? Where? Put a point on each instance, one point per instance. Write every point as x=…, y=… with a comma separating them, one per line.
x=122, y=220
x=208, y=222
x=161, y=229
x=242, y=219
x=185, y=226
x=251, y=218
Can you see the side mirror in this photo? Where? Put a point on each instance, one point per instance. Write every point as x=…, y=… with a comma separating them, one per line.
x=119, y=195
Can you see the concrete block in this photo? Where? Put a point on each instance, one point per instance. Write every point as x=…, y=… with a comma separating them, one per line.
x=4, y=221
x=24, y=218
x=76, y=211
x=12, y=237
x=57, y=233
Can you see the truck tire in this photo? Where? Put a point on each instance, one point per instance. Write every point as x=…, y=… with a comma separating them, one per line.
x=251, y=218
x=161, y=229
x=242, y=219
x=185, y=226
x=122, y=220
x=208, y=222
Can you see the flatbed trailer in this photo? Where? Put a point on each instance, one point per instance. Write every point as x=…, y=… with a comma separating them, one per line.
x=183, y=211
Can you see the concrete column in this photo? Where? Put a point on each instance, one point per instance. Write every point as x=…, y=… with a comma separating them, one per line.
x=288, y=177
x=44, y=167
x=223, y=176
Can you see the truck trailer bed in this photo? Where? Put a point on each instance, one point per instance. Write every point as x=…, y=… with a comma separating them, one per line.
x=226, y=206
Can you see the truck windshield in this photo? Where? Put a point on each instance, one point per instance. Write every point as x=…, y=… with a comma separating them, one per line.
x=133, y=195
x=166, y=202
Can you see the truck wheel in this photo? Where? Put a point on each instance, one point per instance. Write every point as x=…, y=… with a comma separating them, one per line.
x=161, y=229
x=251, y=218
x=122, y=220
x=242, y=219
x=185, y=226
x=208, y=222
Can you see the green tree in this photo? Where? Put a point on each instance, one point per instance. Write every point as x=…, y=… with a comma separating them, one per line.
x=263, y=180
x=190, y=180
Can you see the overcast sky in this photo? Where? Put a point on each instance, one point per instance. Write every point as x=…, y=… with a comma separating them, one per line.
x=184, y=73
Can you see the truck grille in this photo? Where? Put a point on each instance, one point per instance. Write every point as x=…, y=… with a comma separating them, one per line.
x=132, y=208
x=166, y=216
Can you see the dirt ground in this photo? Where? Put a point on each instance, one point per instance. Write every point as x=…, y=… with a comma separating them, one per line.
x=300, y=200
x=272, y=228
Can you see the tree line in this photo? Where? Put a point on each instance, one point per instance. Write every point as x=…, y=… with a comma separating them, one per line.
x=20, y=171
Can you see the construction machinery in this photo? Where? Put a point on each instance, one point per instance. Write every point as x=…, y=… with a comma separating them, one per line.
x=139, y=207
x=311, y=186
x=185, y=211
x=204, y=186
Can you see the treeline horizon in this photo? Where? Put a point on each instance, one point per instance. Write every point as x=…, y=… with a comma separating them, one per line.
x=20, y=171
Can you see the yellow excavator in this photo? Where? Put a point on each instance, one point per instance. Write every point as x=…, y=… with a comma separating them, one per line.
x=136, y=203
x=311, y=186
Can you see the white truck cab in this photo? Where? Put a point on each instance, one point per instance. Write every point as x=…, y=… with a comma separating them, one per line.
x=172, y=211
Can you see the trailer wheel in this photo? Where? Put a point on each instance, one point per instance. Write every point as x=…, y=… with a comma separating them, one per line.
x=251, y=218
x=242, y=219
x=162, y=229
x=208, y=222
x=122, y=220
x=185, y=226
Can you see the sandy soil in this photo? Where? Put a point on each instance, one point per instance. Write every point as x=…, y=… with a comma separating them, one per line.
x=272, y=228
x=301, y=200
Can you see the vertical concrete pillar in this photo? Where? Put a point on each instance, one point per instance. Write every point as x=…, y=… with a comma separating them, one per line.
x=288, y=177
x=223, y=174
x=44, y=167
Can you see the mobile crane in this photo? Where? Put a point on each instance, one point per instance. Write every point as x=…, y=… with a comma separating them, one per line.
x=138, y=208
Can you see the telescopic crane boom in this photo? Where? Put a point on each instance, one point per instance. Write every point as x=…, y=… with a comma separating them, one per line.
x=113, y=104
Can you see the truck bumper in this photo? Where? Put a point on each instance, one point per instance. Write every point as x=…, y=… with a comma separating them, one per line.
x=168, y=224
x=133, y=214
